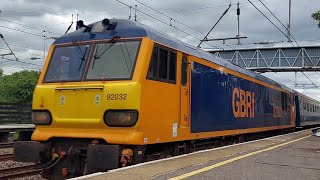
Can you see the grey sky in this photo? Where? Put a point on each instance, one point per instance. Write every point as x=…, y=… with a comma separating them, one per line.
x=55, y=16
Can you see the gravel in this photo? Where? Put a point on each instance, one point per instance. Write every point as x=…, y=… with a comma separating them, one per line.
x=6, y=151
x=10, y=164
x=35, y=177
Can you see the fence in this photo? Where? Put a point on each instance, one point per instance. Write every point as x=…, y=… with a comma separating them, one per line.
x=17, y=113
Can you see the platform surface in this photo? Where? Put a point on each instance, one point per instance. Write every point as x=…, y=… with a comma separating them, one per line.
x=291, y=156
x=17, y=126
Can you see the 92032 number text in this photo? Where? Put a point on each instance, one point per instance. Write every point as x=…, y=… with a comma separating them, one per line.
x=114, y=97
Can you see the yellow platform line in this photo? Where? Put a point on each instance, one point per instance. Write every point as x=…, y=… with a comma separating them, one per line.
x=232, y=160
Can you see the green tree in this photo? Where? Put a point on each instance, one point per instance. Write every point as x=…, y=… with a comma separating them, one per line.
x=1, y=73
x=18, y=87
x=316, y=16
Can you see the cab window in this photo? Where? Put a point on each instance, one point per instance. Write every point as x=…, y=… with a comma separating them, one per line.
x=113, y=61
x=163, y=65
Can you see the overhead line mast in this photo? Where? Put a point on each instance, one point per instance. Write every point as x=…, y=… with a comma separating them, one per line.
x=289, y=24
x=11, y=52
x=205, y=37
x=238, y=19
x=238, y=37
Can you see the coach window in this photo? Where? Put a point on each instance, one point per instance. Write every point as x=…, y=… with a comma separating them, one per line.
x=163, y=65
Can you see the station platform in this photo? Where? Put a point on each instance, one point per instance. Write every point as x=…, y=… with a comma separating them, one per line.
x=16, y=127
x=290, y=156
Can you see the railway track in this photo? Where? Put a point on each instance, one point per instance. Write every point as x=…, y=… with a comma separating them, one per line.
x=15, y=172
x=6, y=157
x=21, y=171
x=6, y=145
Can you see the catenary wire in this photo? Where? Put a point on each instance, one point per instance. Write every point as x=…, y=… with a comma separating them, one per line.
x=279, y=21
x=24, y=52
x=6, y=59
x=31, y=27
x=24, y=47
x=164, y=22
x=310, y=79
x=183, y=24
x=269, y=20
x=169, y=17
x=22, y=31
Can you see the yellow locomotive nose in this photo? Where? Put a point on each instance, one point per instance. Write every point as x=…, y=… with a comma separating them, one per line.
x=114, y=104
x=74, y=105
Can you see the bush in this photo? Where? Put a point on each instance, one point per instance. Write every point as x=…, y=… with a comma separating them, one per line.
x=18, y=87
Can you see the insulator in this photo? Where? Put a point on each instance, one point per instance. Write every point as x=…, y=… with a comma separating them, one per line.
x=238, y=11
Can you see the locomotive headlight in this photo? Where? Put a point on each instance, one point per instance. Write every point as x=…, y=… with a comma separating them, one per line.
x=121, y=118
x=41, y=117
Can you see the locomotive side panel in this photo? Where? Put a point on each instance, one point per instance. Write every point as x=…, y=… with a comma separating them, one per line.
x=160, y=89
x=222, y=101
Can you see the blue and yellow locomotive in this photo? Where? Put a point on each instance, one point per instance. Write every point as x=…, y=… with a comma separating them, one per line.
x=114, y=90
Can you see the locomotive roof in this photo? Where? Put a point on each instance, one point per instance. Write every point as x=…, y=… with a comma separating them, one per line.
x=130, y=29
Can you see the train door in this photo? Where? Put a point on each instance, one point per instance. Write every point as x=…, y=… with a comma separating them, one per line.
x=185, y=93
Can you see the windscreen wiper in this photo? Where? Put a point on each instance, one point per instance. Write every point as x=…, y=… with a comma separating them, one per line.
x=82, y=58
x=78, y=48
x=82, y=55
x=103, y=50
x=124, y=56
